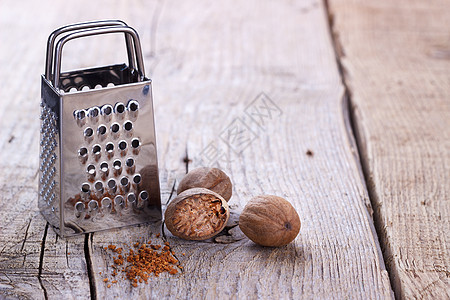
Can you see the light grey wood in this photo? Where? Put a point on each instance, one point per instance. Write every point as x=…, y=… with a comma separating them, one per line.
x=396, y=60
x=211, y=64
x=208, y=63
x=26, y=271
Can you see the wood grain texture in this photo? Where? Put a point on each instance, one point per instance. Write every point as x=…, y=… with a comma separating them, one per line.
x=396, y=60
x=35, y=265
x=209, y=63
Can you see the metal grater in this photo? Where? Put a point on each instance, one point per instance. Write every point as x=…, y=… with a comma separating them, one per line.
x=98, y=164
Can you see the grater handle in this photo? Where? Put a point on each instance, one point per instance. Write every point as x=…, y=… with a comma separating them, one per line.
x=97, y=31
x=80, y=26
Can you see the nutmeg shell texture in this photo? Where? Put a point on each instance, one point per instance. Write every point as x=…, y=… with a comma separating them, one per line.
x=269, y=221
x=197, y=214
x=209, y=178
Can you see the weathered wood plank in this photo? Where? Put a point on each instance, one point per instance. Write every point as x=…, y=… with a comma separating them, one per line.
x=208, y=63
x=35, y=265
x=396, y=59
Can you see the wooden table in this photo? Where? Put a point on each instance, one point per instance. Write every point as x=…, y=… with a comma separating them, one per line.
x=353, y=128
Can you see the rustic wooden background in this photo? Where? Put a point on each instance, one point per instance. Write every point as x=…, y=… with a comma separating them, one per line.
x=359, y=143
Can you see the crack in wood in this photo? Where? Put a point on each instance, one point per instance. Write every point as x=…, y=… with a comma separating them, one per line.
x=168, y=200
x=24, y=259
x=354, y=135
x=187, y=160
x=26, y=235
x=88, y=237
x=428, y=287
x=41, y=261
x=171, y=192
x=67, y=255
x=164, y=238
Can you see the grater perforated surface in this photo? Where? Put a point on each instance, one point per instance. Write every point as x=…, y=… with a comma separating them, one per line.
x=110, y=166
x=47, y=157
x=98, y=162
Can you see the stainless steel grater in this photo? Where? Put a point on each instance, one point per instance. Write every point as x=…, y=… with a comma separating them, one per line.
x=98, y=164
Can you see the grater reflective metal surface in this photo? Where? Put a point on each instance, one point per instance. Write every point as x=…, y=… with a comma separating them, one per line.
x=98, y=163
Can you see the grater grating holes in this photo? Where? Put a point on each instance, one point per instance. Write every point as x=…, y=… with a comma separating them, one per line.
x=117, y=166
x=115, y=127
x=133, y=109
x=119, y=201
x=106, y=202
x=107, y=186
x=123, y=148
x=85, y=191
x=130, y=166
x=83, y=155
x=131, y=198
x=97, y=151
x=47, y=155
x=124, y=184
x=93, y=114
x=104, y=170
x=106, y=112
x=136, y=145
x=128, y=128
x=102, y=132
x=137, y=178
x=91, y=172
x=98, y=189
x=86, y=188
x=143, y=196
x=112, y=186
x=79, y=206
x=109, y=150
x=88, y=134
x=119, y=110
x=93, y=205
x=80, y=116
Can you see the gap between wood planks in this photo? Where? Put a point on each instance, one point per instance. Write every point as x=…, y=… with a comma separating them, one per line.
x=90, y=272
x=41, y=260
x=353, y=135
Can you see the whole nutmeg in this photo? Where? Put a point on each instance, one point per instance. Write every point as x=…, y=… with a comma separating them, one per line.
x=197, y=214
x=269, y=221
x=209, y=178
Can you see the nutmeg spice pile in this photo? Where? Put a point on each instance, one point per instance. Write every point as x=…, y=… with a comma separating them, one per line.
x=145, y=260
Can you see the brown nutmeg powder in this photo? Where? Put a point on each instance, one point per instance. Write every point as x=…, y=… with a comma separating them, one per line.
x=142, y=261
